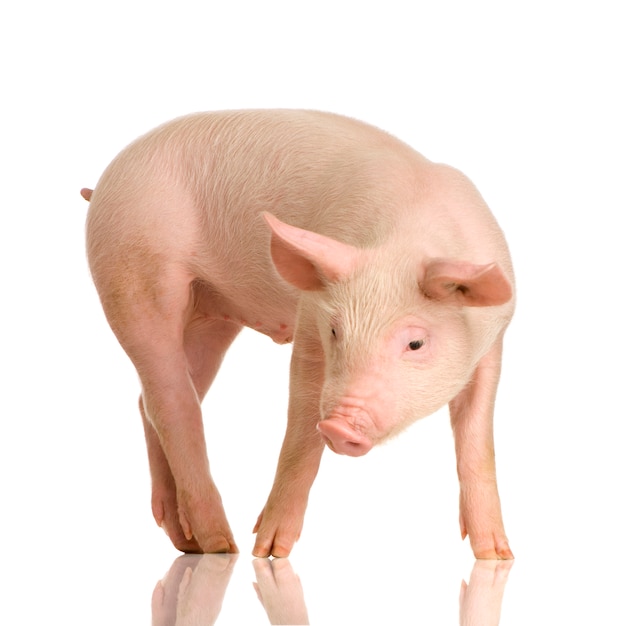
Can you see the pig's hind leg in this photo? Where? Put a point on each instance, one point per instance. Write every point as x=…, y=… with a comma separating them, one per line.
x=177, y=352
x=164, y=500
x=205, y=343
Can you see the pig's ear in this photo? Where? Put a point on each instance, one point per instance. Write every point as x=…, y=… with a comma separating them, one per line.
x=307, y=260
x=466, y=284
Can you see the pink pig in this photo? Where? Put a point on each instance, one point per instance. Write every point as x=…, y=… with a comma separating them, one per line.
x=387, y=271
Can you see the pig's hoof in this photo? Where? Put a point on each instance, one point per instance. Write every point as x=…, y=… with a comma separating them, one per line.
x=219, y=545
x=213, y=545
x=494, y=549
x=279, y=526
x=272, y=543
x=188, y=547
x=177, y=537
x=263, y=550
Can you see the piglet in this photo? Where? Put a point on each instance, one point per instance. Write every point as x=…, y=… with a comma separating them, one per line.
x=387, y=272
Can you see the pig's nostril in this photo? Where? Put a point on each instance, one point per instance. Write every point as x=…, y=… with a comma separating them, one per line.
x=353, y=448
x=341, y=438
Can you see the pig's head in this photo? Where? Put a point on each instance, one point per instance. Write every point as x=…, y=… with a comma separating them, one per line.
x=398, y=335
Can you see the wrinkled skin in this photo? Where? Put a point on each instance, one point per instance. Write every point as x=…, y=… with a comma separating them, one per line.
x=386, y=271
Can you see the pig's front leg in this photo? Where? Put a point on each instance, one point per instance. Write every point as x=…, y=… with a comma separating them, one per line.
x=471, y=415
x=280, y=523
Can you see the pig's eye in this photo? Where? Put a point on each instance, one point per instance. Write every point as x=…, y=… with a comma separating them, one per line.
x=334, y=333
x=416, y=345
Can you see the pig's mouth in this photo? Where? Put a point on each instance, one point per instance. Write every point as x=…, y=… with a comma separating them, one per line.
x=343, y=438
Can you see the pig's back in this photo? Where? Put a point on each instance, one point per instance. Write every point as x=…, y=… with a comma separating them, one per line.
x=315, y=170
x=196, y=186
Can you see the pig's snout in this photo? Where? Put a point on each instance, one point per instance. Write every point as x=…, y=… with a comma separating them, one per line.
x=342, y=438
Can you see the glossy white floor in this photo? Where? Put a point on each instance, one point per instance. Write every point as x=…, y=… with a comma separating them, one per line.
x=530, y=105
x=380, y=543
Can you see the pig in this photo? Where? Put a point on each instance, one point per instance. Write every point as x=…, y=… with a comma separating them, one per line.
x=387, y=271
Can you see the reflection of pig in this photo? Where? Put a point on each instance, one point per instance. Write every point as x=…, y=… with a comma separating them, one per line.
x=388, y=271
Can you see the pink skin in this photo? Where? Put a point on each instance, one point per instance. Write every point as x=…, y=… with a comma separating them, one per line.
x=385, y=329
x=357, y=421
x=471, y=414
x=341, y=437
x=359, y=418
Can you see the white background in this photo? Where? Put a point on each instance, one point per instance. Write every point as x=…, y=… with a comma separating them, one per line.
x=528, y=99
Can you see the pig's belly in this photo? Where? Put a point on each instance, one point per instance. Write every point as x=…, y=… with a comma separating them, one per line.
x=271, y=311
